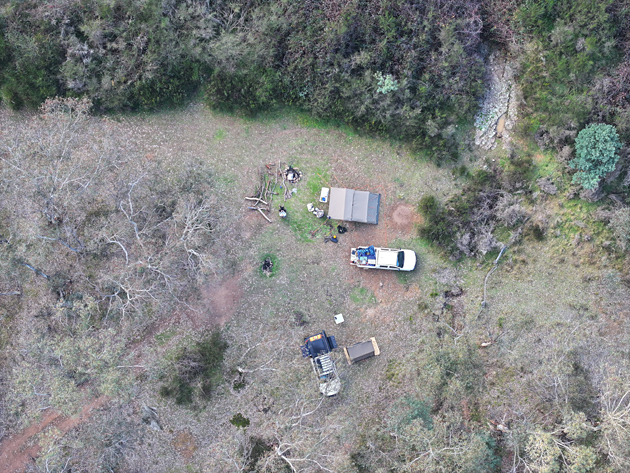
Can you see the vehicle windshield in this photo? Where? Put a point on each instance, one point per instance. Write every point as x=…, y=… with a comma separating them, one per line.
x=401, y=259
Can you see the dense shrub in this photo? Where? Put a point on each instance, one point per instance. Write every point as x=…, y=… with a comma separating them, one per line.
x=596, y=148
x=466, y=222
x=408, y=69
x=571, y=46
x=411, y=70
x=434, y=64
x=437, y=226
x=122, y=54
x=30, y=58
x=196, y=370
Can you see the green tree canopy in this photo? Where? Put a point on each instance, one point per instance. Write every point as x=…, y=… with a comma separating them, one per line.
x=596, y=148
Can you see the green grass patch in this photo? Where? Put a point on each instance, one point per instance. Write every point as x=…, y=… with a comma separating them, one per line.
x=546, y=167
x=319, y=177
x=274, y=268
x=503, y=233
x=219, y=134
x=163, y=337
x=240, y=421
x=303, y=223
x=296, y=116
x=362, y=296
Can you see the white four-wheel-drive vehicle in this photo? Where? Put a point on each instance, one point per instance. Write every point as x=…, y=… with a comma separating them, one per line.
x=383, y=258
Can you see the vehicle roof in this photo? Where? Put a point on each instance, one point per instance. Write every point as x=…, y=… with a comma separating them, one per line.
x=387, y=258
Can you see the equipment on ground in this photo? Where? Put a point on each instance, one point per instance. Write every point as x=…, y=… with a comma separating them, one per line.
x=318, y=349
x=361, y=351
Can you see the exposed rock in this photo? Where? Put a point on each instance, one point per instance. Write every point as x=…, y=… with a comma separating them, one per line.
x=499, y=102
x=617, y=199
x=592, y=195
x=149, y=416
x=603, y=215
x=614, y=174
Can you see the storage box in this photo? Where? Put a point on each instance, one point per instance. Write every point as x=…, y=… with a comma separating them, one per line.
x=323, y=197
x=361, y=351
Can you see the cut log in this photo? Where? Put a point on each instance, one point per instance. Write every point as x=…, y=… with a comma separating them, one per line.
x=262, y=213
x=256, y=199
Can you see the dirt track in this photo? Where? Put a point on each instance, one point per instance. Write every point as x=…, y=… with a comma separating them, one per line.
x=19, y=450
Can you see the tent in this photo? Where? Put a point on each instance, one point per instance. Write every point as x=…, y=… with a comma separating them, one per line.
x=353, y=206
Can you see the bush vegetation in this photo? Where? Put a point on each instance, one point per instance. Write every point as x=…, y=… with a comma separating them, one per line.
x=596, y=147
x=402, y=68
x=196, y=370
x=466, y=222
x=406, y=69
x=111, y=243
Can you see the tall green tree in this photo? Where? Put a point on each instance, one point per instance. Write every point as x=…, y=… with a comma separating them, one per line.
x=596, y=147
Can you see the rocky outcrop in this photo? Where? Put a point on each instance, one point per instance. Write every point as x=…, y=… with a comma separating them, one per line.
x=499, y=105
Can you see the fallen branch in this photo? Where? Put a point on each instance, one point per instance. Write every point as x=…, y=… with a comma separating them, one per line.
x=284, y=185
x=36, y=271
x=485, y=282
x=256, y=199
x=14, y=293
x=262, y=213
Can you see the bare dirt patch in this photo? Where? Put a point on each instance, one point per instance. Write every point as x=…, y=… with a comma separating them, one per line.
x=404, y=217
x=219, y=302
x=185, y=444
x=19, y=450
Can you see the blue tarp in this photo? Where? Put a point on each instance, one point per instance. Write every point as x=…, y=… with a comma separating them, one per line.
x=366, y=256
x=367, y=252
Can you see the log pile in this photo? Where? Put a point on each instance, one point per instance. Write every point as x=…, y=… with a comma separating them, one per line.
x=265, y=190
x=268, y=176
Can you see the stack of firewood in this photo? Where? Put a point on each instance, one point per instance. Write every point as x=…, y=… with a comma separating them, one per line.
x=267, y=182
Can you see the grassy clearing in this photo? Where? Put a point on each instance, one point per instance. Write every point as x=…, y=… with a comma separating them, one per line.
x=164, y=337
x=362, y=296
x=530, y=291
x=306, y=226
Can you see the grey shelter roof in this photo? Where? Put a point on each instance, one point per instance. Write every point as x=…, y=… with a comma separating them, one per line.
x=353, y=206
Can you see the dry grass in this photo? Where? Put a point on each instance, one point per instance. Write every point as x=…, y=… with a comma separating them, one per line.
x=530, y=293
